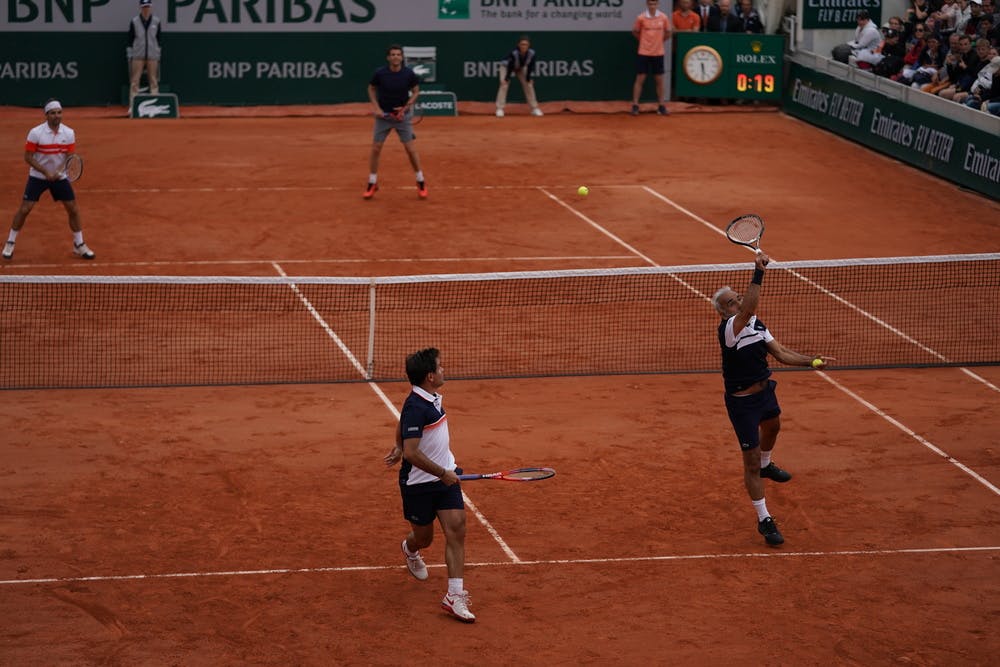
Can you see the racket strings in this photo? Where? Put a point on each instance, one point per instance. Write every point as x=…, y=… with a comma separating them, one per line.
x=746, y=229
x=74, y=168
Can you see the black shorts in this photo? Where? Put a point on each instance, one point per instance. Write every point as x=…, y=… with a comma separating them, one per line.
x=649, y=65
x=747, y=412
x=61, y=190
x=421, y=502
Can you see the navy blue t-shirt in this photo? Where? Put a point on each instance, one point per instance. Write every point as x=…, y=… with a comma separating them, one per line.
x=393, y=88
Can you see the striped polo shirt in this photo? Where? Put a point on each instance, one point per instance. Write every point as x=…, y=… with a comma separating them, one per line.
x=423, y=417
x=50, y=148
x=744, y=353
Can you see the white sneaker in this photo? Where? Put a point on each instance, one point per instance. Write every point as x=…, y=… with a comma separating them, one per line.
x=8, y=250
x=458, y=606
x=83, y=251
x=499, y=113
x=537, y=112
x=415, y=564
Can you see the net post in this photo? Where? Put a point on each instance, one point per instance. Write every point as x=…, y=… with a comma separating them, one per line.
x=371, y=329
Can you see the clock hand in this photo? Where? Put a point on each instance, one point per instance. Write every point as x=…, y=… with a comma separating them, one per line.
x=703, y=68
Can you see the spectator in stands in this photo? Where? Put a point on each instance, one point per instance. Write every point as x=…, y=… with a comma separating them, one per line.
x=705, y=9
x=866, y=37
x=991, y=101
x=520, y=63
x=930, y=62
x=652, y=30
x=964, y=71
x=885, y=59
x=685, y=19
x=971, y=25
x=985, y=29
x=917, y=12
x=946, y=16
x=392, y=91
x=46, y=150
x=750, y=20
x=914, y=47
x=750, y=398
x=963, y=15
x=723, y=20
x=144, y=48
x=981, y=87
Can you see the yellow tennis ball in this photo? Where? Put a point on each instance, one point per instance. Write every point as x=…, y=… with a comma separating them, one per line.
x=817, y=363
x=583, y=191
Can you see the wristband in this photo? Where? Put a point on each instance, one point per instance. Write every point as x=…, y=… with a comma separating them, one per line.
x=758, y=276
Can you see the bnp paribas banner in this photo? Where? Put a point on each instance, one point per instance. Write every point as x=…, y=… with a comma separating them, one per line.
x=313, y=51
x=941, y=145
x=324, y=15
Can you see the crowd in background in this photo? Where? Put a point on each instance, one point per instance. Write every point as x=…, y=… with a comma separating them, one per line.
x=948, y=48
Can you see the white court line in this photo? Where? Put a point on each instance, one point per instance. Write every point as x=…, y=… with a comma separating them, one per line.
x=916, y=436
x=521, y=563
x=332, y=188
x=385, y=399
x=398, y=260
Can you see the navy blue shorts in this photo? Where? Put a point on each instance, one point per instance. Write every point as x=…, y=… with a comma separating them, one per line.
x=421, y=502
x=61, y=190
x=649, y=65
x=747, y=412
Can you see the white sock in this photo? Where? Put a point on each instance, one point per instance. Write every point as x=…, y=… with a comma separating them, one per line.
x=765, y=458
x=13, y=235
x=77, y=238
x=761, y=508
x=406, y=549
x=420, y=176
x=455, y=586
x=372, y=178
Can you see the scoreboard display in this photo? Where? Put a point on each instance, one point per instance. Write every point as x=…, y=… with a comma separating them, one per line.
x=728, y=65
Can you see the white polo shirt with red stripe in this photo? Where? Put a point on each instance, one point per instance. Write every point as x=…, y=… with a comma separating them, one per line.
x=50, y=148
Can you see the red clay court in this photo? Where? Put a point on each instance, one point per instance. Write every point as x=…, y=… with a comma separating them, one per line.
x=233, y=525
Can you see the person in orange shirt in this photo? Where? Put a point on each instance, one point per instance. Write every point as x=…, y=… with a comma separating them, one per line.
x=686, y=20
x=652, y=29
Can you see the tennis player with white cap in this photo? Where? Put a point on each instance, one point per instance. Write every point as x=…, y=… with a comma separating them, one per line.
x=45, y=151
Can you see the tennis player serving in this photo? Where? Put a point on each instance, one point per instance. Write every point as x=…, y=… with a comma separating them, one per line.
x=750, y=397
x=428, y=479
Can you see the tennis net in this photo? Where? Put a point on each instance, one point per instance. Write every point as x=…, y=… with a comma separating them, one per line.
x=113, y=331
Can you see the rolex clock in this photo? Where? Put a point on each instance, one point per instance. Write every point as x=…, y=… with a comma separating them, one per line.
x=702, y=64
x=731, y=65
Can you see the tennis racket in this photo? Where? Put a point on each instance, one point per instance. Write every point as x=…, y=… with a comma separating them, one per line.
x=746, y=230
x=518, y=475
x=414, y=114
x=73, y=167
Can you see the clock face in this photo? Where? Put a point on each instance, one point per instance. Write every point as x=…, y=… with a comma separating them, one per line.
x=702, y=64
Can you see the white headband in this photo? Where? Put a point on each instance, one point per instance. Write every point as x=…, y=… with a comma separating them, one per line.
x=52, y=105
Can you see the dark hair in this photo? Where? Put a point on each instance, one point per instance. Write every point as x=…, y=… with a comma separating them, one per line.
x=863, y=14
x=393, y=47
x=524, y=38
x=420, y=363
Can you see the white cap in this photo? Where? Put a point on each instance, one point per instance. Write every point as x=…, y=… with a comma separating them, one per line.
x=54, y=104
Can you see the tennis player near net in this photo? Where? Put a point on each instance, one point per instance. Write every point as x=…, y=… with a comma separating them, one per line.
x=45, y=151
x=750, y=398
x=393, y=90
x=428, y=479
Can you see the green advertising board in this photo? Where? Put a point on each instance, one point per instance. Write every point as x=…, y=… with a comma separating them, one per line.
x=313, y=51
x=728, y=65
x=838, y=14
x=88, y=68
x=938, y=144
